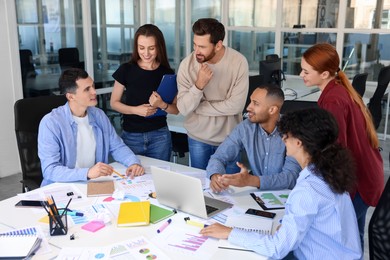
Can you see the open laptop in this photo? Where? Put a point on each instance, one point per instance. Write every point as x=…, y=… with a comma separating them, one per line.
x=185, y=193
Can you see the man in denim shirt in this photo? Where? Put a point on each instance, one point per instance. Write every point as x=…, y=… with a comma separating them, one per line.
x=74, y=140
x=265, y=149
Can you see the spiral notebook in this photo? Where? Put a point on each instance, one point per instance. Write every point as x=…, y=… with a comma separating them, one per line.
x=249, y=223
x=19, y=244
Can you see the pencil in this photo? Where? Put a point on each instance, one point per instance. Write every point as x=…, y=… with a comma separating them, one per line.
x=117, y=173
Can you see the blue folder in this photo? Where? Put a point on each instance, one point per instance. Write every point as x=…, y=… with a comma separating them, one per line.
x=167, y=90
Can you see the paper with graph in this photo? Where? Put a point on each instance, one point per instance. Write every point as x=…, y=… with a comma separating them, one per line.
x=271, y=199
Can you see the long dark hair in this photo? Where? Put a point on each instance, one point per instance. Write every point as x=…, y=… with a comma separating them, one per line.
x=150, y=30
x=317, y=130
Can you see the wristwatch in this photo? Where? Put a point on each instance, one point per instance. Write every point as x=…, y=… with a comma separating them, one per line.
x=163, y=109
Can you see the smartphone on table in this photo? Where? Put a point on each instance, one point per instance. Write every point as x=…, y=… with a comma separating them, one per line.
x=260, y=213
x=29, y=203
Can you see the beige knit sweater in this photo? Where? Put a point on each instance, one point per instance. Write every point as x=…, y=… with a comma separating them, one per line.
x=212, y=113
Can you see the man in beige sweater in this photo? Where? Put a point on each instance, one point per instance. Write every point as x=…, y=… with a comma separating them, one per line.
x=213, y=86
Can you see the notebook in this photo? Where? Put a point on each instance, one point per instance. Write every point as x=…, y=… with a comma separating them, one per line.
x=167, y=90
x=100, y=188
x=18, y=246
x=185, y=193
x=249, y=223
x=158, y=213
x=134, y=213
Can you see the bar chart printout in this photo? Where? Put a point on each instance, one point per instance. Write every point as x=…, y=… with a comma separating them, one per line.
x=186, y=241
x=190, y=242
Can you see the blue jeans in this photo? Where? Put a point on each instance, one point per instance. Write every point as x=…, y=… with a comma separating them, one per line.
x=360, y=211
x=155, y=144
x=200, y=154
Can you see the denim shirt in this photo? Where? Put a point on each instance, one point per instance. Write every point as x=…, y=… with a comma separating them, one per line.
x=266, y=154
x=57, y=147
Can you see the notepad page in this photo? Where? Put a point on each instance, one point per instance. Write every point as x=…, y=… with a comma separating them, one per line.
x=17, y=246
x=251, y=223
x=248, y=223
x=34, y=231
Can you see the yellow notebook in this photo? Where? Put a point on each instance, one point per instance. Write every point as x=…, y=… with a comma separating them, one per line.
x=134, y=214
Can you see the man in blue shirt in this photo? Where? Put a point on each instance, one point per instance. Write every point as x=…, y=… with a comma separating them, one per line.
x=265, y=149
x=75, y=140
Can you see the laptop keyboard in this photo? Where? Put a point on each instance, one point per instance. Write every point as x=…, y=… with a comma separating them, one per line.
x=210, y=209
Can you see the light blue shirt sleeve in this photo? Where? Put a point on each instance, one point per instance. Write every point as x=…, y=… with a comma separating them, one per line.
x=318, y=224
x=57, y=148
x=266, y=154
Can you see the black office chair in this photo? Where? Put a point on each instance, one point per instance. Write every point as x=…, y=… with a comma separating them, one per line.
x=28, y=114
x=379, y=227
x=293, y=105
x=69, y=58
x=125, y=57
x=271, y=69
x=27, y=68
x=375, y=105
x=179, y=145
x=254, y=82
x=359, y=83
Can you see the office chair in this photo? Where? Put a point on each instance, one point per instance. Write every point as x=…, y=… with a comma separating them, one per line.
x=125, y=57
x=254, y=82
x=379, y=227
x=293, y=105
x=28, y=114
x=69, y=58
x=359, y=83
x=179, y=145
x=271, y=69
x=375, y=105
x=27, y=68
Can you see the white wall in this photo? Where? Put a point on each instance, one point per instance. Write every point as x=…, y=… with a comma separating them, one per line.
x=10, y=88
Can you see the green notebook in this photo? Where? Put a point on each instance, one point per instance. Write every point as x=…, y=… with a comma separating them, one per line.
x=157, y=213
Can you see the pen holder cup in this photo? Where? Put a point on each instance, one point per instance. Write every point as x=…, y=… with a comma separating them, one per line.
x=58, y=225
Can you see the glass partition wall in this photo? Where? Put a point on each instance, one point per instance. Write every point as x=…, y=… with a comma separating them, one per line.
x=45, y=27
x=358, y=28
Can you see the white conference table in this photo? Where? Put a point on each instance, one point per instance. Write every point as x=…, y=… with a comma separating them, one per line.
x=12, y=217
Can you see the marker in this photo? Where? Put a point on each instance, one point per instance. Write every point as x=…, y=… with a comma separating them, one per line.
x=194, y=223
x=72, y=213
x=163, y=226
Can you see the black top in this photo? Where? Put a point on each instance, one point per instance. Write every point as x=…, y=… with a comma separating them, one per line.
x=140, y=84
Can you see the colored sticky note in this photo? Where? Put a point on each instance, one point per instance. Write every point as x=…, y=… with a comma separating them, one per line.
x=93, y=226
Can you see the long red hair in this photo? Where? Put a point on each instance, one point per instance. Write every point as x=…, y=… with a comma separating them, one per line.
x=323, y=57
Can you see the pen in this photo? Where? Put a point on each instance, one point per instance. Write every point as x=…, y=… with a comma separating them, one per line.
x=67, y=205
x=194, y=223
x=120, y=175
x=72, y=213
x=163, y=226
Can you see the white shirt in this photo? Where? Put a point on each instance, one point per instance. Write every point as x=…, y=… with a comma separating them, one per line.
x=86, y=143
